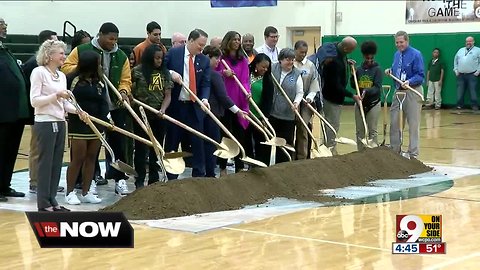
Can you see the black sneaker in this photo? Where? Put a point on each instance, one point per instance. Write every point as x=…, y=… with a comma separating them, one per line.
x=60, y=189
x=101, y=181
x=33, y=189
x=61, y=209
x=13, y=193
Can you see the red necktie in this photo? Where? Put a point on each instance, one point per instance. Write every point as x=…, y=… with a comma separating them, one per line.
x=191, y=77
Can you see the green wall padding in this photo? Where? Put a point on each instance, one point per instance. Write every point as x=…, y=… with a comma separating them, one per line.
x=448, y=43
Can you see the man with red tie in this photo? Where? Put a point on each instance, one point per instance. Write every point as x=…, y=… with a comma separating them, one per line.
x=189, y=66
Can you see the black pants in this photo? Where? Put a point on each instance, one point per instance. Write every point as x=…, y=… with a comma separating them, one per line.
x=118, y=144
x=141, y=150
x=212, y=130
x=284, y=129
x=231, y=123
x=10, y=137
x=51, y=144
x=253, y=146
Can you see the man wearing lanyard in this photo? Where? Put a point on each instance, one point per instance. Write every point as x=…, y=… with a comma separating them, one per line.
x=467, y=68
x=408, y=67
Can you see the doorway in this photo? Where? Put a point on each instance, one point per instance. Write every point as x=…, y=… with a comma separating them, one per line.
x=311, y=35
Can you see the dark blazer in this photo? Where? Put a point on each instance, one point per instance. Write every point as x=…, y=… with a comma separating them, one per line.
x=219, y=101
x=175, y=62
x=12, y=83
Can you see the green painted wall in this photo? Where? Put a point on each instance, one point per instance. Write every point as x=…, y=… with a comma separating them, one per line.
x=449, y=43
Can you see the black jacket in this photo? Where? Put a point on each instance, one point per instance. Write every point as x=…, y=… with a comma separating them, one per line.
x=12, y=84
x=27, y=68
x=219, y=101
x=335, y=78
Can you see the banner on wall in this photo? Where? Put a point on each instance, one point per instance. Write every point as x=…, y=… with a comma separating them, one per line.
x=442, y=11
x=235, y=3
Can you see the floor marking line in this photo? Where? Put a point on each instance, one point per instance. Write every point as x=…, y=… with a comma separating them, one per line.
x=306, y=238
x=452, y=198
x=322, y=241
x=453, y=261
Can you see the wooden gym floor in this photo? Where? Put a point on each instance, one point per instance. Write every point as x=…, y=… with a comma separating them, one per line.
x=342, y=237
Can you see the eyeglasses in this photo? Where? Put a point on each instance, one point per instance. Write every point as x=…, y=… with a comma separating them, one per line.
x=3, y=24
x=276, y=36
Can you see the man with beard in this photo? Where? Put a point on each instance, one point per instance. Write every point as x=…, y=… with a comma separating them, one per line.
x=335, y=83
x=14, y=113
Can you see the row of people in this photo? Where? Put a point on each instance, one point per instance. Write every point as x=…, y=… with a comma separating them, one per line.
x=186, y=65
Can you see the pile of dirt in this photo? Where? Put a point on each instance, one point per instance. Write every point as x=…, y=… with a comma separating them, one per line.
x=300, y=180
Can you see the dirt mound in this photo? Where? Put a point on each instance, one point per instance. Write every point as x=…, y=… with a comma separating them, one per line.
x=296, y=180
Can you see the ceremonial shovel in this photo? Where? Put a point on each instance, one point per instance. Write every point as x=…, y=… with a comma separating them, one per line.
x=117, y=164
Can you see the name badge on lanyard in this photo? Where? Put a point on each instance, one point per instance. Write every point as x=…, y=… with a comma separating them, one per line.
x=403, y=76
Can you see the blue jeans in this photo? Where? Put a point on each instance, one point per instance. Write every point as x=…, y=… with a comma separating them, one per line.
x=465, y=80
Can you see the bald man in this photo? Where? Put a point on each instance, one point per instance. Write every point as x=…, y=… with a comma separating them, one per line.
x=467, y=68
x=334, y=75
x=14, y=113
x=178, y=39
x=216, y=42
x=248, y=42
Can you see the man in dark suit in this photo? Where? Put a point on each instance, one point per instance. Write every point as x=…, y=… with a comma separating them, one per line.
x=189, y=66
x=14, y=113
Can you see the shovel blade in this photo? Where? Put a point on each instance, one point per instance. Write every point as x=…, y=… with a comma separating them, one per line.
x=289, y=147
x=224, y=154
x=230, y=146
x=255, y=162
x=124, y=167
x=174, y=165
x=344, y=140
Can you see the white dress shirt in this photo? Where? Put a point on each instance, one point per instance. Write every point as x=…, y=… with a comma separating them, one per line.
x=270, y=52
x=184, y=95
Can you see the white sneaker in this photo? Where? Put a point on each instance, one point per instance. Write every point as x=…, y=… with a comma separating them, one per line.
x=121, y=188
x=72, y=198
x=93, y=188
x=90, y=198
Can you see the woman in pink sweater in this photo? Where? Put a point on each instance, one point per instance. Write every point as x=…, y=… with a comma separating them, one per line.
x=48, y=95
x=236, y=60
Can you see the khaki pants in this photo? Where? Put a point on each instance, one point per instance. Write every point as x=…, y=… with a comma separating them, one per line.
x=412, y=107
x=372, y=121
x=332, y=114
x=434, y=95
x=302, y=137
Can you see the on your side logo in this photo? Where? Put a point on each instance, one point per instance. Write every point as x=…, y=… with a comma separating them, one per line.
x=81, y=229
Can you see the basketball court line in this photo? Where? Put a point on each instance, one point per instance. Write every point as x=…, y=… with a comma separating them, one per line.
x=453, y=198
x=322, y=241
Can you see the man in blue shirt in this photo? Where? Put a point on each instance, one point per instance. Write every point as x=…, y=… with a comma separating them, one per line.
x=466, y=66
x=408, y=67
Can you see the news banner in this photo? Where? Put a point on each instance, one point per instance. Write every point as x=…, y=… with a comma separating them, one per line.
x=419, y=234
